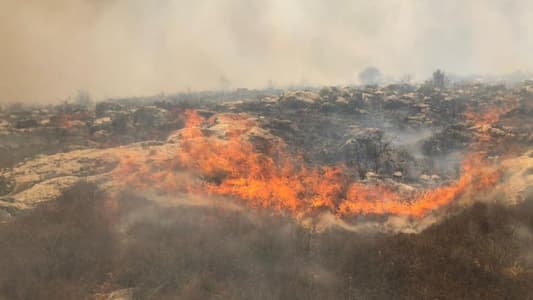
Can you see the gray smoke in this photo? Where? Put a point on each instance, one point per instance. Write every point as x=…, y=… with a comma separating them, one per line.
x=52, y=48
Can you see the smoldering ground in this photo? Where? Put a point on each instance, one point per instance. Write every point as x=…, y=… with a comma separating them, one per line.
x=88, y=244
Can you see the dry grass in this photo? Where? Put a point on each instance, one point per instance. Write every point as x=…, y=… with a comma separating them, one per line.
x=81, y=245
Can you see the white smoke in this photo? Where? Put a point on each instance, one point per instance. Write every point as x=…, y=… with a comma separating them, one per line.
x=52, y=48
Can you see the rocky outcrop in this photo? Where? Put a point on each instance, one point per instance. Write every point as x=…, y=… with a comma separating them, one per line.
x=348, y=126
x=46, y=177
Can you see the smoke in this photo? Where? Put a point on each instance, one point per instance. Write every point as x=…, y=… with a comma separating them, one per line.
x=387, y=225
x=87, y=242
x=50, y=49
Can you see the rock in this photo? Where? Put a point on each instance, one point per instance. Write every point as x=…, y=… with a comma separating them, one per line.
x=102, y=122
x=425, y=177
x=410, y=96
x=45, y=122
x=232, y=105
x=341, y=100
x=422, y=106
x=45, y=191
x=45, y=177
x=296, y=118
x=4, y=123
x=270, y=99
x=77, y=123
x=435, y=177
x=392, y=98
x=299, y=99
x=496, y=131
x=417, y=118
x=404, y=188
x=371, y=176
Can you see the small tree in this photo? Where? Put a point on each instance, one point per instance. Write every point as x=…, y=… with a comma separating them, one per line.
x=370, y=76
x=83, y=99
x=439, y=79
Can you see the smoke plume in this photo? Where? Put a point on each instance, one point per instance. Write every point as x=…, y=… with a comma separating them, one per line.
x=50, y=49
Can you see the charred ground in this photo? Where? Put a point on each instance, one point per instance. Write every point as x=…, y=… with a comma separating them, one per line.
x=69, y=231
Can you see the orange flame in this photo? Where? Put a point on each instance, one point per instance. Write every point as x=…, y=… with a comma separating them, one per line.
x=203, y=162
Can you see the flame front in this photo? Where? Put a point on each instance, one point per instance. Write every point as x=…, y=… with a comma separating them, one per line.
x=201, y=162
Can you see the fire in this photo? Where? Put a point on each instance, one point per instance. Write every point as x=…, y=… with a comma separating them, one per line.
x=204, y=162
x=380, y=200
x=483, y=120
x=192, y=119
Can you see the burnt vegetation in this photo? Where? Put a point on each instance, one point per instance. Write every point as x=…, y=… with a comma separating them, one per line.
x=86, y=245
x=93, y=244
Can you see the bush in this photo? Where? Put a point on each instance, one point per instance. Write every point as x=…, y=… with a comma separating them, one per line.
x=438, y=80
x=370, y=76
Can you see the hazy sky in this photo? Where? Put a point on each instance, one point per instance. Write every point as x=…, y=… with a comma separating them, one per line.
x=51, y=48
